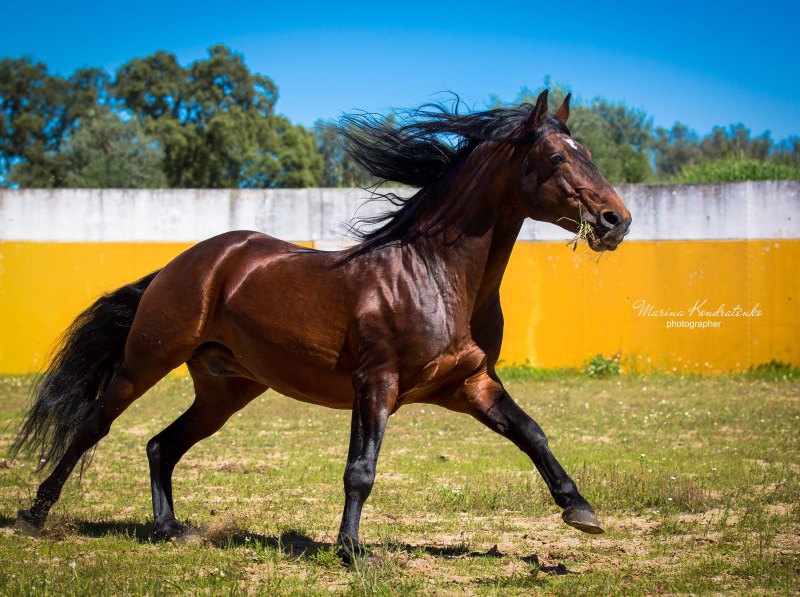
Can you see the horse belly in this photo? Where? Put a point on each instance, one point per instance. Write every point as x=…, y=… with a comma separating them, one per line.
x=304, y=378
x=294, y=355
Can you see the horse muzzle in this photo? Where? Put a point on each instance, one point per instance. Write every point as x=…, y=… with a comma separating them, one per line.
x=609, y=231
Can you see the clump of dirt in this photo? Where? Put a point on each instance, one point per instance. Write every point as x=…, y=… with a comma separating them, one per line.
x=222, y=530
x=58, y=529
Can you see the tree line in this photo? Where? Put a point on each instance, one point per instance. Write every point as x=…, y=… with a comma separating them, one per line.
x=155, y=123
x=627, y=147
x=212, y=124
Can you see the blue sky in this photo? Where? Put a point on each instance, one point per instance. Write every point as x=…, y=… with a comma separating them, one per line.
x=700, y=63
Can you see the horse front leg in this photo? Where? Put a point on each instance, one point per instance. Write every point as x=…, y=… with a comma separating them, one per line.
x=371, y=409
x=487, y=400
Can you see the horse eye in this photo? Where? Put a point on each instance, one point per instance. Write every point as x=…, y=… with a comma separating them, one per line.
x=556, y=159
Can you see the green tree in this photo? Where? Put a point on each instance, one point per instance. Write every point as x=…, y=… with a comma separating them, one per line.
x=38, y=113
x=735, y=169
x=788, y=151
x=339, y=170
x=618, y=136
x=628, y=126
x=619, y=162
x=106, y=152
x=730, y=152
x=735, y=141
x=627, y=148
x=674, y=149
x=296, y=161
x=215, y=122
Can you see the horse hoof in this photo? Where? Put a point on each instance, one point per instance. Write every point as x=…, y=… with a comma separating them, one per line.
x=25, y=524
x=583, y=520
x=175, y=531
x=350, y=557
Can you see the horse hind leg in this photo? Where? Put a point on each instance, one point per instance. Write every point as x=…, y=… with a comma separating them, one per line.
x=123, y=389
x=216, y=400
x=148, y=333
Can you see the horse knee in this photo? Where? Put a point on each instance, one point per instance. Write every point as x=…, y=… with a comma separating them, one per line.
x=359, y=478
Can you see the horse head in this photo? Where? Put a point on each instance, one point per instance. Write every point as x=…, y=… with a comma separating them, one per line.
x=561, y=184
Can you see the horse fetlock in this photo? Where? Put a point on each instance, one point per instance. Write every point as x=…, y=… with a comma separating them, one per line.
x=566, y=495
x=45, y=498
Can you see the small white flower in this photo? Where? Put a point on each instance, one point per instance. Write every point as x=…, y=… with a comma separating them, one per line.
x=72, y=565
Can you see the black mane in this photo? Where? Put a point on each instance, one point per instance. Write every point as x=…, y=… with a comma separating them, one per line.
x=430, y=141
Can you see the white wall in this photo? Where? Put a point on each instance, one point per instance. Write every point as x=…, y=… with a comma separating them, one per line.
x=660, y=212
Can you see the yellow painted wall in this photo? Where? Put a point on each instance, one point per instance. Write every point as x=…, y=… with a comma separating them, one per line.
x=561, y=306
x=43, y=286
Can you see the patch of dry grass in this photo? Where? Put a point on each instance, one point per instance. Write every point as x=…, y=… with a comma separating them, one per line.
x=695, y=478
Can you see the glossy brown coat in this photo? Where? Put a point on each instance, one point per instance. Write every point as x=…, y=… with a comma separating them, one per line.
x=417, y=319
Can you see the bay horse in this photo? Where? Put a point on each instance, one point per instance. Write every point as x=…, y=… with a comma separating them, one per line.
x=411, y=314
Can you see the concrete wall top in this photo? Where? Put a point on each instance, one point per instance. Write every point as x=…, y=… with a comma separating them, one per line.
x=757, y=210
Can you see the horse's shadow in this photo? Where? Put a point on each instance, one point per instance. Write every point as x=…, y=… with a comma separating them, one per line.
x=141, y=532
x=291, y=543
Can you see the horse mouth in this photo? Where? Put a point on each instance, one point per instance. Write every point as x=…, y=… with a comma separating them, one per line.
x=603, y=223
x=600, y=240
x=595, y=228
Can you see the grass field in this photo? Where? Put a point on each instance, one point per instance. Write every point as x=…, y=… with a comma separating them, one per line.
x=696, y=479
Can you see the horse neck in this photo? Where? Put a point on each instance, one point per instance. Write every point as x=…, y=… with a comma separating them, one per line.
x=504, y=236
x=477, y=243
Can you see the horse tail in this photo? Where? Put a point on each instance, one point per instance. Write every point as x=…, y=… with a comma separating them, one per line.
x=81, y=368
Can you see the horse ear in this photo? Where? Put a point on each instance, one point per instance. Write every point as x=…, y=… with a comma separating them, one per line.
x=539, y=111
x=563, y=112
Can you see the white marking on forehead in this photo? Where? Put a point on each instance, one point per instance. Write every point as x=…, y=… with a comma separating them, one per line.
x=570, y=142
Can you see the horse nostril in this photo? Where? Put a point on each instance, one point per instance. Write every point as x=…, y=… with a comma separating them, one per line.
x=609, y=219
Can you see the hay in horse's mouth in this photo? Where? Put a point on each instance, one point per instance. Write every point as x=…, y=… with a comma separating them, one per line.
x=586, y=232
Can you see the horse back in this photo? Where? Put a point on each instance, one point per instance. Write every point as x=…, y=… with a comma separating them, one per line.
x=189, y=301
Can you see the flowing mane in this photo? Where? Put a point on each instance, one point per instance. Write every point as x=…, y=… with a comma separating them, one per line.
x=431, y=142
